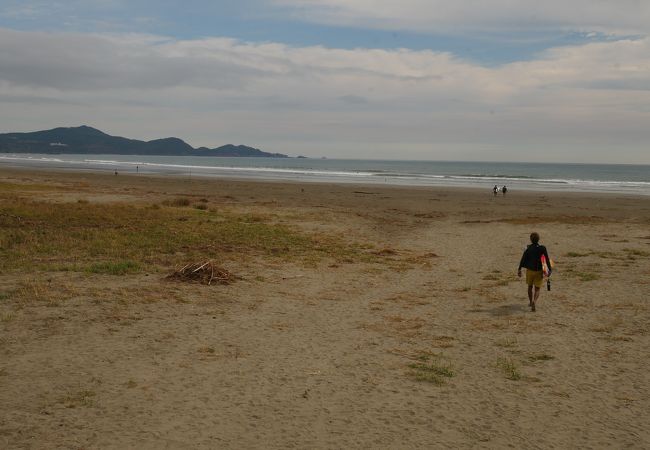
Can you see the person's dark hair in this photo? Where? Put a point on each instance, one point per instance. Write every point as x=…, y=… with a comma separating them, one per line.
x=534, y=238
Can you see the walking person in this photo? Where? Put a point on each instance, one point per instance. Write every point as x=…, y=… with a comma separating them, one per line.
x=504, y=190
x=531, y=260
x=495, y=189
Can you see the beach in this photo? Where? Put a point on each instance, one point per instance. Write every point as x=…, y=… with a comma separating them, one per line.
x=359, y=316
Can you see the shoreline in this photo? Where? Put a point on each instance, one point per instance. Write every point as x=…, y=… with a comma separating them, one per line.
x=199, y=178
x=340, y=175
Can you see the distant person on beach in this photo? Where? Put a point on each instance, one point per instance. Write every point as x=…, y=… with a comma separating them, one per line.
x=495, y=189
x=504, y=190
x=531, y=260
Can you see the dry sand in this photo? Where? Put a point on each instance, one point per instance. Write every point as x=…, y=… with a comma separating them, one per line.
x=323, y=356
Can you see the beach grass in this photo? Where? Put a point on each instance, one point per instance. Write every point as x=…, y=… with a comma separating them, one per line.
x=83, y=398
x=587, y=276
x=431, y=372
x=119, y=238
x=431, y=369
x=509, y=368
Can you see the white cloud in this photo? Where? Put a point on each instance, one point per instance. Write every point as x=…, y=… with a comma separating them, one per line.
x=621, y=16
x=312, y=100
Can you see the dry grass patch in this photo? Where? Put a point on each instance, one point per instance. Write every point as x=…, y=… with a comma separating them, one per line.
x=206, y=349
x=506, y=343
x=631, y=252
x=49, y=293
x=443, y=341
x=119, y=237
x=84, y=398
x=509, y=368
x=608, y=326
x=431, y=369
x=587, y=276
x=540, y=357
x=178, y=202
x=408, y=327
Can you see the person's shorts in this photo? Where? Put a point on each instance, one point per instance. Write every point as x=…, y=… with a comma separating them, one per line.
x=534, y=278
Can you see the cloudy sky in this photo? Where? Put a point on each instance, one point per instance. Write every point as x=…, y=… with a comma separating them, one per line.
x=504, y=80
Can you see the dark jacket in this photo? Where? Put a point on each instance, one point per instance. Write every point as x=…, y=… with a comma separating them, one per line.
x=532, y=258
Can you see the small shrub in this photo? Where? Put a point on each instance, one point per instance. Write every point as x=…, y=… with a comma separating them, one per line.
x=509, y=368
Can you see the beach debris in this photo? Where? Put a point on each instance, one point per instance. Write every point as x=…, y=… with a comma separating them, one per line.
x=205, y=272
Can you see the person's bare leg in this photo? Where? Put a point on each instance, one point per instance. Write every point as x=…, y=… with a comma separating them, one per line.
x=537, y=291
x=530, y=296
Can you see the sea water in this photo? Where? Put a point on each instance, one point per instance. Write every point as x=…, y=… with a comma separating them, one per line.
x=616, y=178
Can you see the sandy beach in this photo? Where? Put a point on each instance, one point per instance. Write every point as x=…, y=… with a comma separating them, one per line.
x=359, y=316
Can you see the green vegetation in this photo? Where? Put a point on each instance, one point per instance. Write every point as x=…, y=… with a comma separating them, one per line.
x=431, y=371
x=509, y=368
x=120, y=238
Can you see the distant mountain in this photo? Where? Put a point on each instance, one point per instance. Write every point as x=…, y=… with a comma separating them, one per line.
x=90, y=141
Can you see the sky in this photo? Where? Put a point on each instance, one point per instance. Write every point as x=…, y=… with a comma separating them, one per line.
x=488, y=80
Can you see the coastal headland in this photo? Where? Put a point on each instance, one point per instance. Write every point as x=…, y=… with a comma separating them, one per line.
x=356, y=316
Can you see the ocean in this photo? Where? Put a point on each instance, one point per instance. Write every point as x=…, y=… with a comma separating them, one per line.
x=613, y=178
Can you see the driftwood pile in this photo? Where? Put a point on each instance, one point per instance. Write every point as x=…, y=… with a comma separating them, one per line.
x=206, y=273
